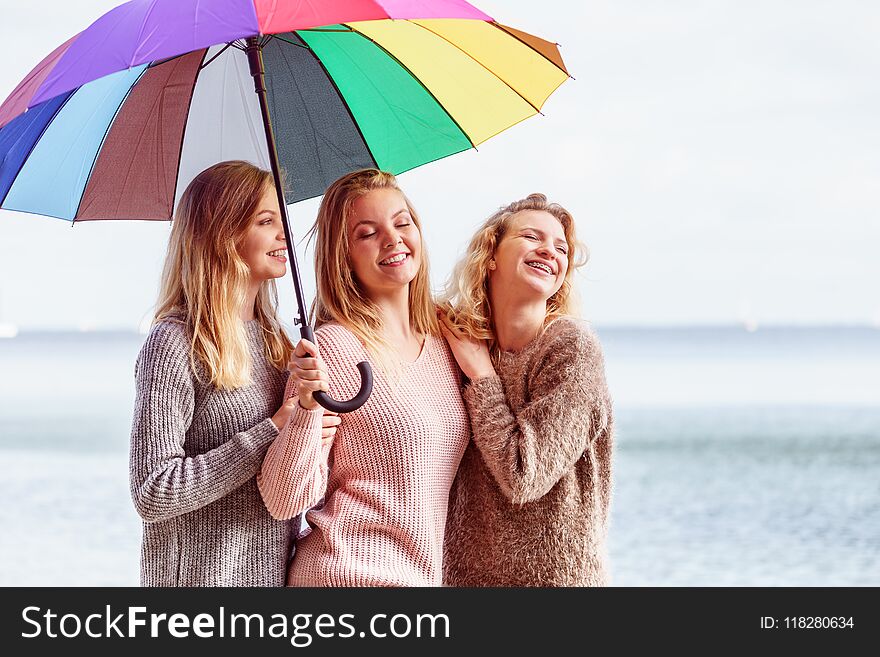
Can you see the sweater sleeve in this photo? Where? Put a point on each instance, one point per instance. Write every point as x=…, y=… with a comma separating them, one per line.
x=164, y=481
x=294, y=475
x=529, y=451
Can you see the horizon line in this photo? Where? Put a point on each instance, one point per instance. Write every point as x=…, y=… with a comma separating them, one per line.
x=614, y=326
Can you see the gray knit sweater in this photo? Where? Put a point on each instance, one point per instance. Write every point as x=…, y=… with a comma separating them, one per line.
x=530, y=502
x=195, y=453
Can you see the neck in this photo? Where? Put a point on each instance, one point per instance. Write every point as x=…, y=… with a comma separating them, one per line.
x=517, y=323
x=247, y=309
x=394, y=309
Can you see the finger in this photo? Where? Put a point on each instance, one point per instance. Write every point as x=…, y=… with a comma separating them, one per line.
x=313, y=386
x=306, y=363
x=449, y=326
x=330, y=421
x=309, y=375
x=326, y=412
x=328, y=432
x=305, y=348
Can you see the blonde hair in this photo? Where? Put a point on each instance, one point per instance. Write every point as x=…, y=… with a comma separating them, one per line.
x=340, y=297
x=204, y=280
x=465, y=301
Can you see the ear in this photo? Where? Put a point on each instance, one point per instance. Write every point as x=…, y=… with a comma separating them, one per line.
x=492, y=264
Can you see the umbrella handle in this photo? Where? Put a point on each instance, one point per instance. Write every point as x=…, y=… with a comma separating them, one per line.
x=355, y=402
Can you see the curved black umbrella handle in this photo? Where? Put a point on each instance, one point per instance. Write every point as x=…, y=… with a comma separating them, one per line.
x=325, y=400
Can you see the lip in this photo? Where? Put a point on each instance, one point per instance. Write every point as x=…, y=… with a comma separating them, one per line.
x=281, y=258
x=394, y=255
x=541, y=271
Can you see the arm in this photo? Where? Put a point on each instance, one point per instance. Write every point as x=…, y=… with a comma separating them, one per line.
x=164, y=481
x=294, y=473
x=528, y=452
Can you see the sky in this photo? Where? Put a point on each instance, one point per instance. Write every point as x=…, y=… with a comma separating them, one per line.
x=721, y=159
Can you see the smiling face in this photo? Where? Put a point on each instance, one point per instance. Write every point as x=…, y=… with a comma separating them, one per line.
x=384, y=242
x=263, y=248
x=531, y=260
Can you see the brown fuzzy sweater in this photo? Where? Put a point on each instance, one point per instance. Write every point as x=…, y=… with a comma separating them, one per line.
x=529, y=506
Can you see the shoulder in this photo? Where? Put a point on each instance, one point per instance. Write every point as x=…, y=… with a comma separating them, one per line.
x=571, y=334
x=167, y=346
x=569, y=347
x=167, y=335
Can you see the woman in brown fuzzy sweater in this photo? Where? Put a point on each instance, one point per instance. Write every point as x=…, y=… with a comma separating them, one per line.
x=529, y=506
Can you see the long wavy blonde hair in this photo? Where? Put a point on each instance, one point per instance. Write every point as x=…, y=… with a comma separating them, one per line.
x=204, y=281
x=465, y=301
x=340, y=297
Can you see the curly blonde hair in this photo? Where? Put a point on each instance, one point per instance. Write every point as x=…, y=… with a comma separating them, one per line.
x=465, y=301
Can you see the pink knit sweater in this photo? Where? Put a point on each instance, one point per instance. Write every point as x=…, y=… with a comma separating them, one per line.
x=385, y=477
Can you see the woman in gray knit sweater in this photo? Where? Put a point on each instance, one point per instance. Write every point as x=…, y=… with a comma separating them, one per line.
x=209, y=390
x=529, y=506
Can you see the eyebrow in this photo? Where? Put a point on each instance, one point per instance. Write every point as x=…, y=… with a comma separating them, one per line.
x=542, y=233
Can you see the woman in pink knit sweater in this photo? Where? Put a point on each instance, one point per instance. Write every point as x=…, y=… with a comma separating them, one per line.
x=385, y=476
x=529, y=506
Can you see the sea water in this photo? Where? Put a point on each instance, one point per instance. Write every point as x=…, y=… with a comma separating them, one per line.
x=740, y=458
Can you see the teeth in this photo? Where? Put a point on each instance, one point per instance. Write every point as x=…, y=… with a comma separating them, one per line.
x=397, y=258
x=277, y=254
x=541, y=266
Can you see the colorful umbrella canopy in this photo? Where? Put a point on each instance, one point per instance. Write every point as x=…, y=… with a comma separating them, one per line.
x=115, y=122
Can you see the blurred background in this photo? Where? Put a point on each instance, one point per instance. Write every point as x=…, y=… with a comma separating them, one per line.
x=722, y=160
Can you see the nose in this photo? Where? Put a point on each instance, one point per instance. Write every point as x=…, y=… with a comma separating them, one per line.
x=545, y=250
x=392, y=238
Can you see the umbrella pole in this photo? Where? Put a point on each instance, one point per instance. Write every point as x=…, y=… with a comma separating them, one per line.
x=254, y=52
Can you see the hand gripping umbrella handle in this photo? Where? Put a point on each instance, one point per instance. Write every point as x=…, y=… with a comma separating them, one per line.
x=325, y=400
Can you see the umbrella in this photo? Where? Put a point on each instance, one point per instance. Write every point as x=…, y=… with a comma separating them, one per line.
x=117, y=120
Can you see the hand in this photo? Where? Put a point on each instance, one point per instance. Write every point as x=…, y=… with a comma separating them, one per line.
x=283, y=414
x=330, y=421
x=472, y=355
x=309, y=372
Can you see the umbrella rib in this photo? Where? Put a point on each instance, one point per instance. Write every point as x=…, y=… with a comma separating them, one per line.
x=511, y=34
x=36, y=141
x=192, y=93
x=140, y=35
x=325, y=29
x=288, y=41
x=144, y=127
x=342, y=100
x=477, y=61
x=101, y=145
x=420, y=83
x=222, y=50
